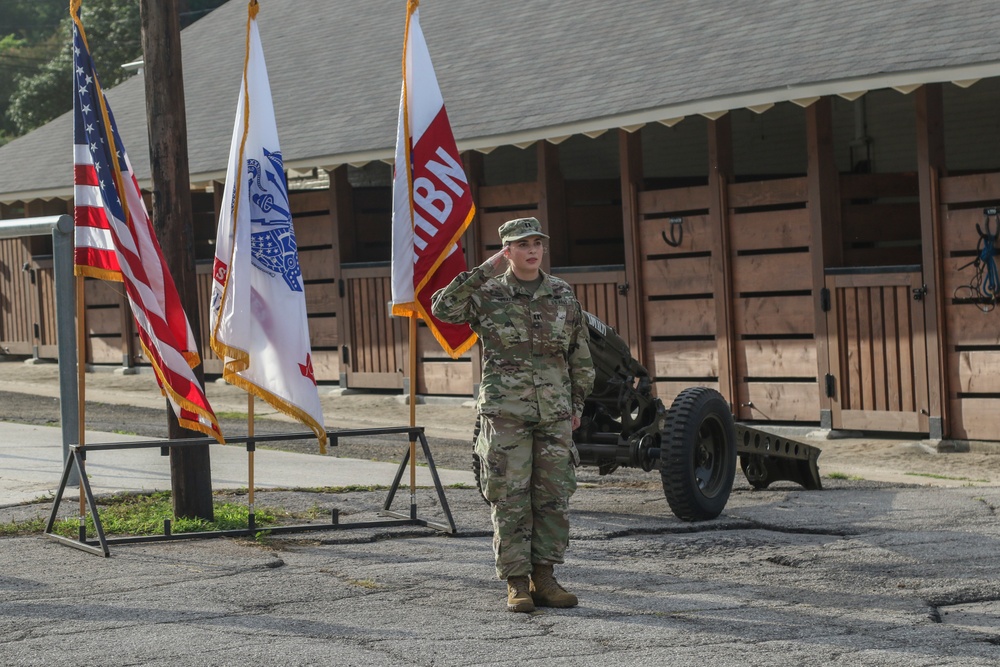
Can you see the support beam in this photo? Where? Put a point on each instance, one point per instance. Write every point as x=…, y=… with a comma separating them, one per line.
x=345, y=237
x=826, y=233
x=720, y=175
x=475, y=170
x=552, y=205
x=930, y=168
x=342, y=212
x=630, y=165
x=472, y=161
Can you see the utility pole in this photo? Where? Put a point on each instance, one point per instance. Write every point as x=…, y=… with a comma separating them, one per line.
x=190, y=467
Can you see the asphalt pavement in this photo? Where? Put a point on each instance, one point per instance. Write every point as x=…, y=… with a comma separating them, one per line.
x=860, y=573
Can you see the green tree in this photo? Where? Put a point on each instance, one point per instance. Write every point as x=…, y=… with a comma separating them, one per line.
x=112, y=28
x=31, y=20
x=27, y=41
x=38, y=46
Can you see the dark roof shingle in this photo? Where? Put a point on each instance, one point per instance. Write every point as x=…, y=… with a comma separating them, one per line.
x=522, y=69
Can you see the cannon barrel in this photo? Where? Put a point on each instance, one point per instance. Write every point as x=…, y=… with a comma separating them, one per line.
x=694, y=443
x=621, y=411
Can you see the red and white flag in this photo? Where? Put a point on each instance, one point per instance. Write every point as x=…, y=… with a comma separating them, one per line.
x=115, y=241
x=432, y=201
x=259, y=323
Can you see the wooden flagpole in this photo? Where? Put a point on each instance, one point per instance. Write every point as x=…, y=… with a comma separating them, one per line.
x=251, y=447
x=81, y=381
x=413, y=416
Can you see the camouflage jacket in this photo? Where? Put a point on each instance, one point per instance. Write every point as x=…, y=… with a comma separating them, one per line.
x=536, y=356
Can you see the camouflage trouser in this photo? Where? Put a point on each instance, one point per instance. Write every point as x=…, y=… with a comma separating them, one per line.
x=528, y=475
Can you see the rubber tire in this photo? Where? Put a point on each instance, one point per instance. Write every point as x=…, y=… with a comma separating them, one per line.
x=698, y=454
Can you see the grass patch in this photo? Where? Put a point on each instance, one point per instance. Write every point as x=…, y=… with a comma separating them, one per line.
x=844, y=475
x=936, y=476
x=28, y=527
x=144, y=514
x=350, y=488
x=231, y=415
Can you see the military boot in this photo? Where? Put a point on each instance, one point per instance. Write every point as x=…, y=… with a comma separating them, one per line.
x=546, y=591
x=519, y=595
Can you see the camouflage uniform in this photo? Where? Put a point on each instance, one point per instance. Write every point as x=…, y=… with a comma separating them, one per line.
x=537, y=370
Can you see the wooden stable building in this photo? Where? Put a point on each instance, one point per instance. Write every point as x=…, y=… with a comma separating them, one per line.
x=807, y=249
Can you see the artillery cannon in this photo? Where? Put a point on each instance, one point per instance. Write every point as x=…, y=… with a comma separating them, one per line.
x=694, y=444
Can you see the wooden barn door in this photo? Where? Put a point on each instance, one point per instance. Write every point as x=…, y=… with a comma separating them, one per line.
x=16, y=311
x=373, y=354
x=602, y=294
x=878, y=353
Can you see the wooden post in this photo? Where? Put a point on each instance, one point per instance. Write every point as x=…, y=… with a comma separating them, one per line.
x=190, y=467
x=826, y=245
x=32, y=292
x=630, y=165
x=413, y=415
x=552, y=205
x=720, y=174
x=342, y=212
x=475, y=170
x=930, y=168
x=345, y=241
x=251, y=448
x=127, y=327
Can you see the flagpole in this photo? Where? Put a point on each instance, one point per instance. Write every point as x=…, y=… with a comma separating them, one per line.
x=413, y=416
x=251, y=447
x=81, y=401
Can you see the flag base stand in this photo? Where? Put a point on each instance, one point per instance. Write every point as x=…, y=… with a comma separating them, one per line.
x=100, y=546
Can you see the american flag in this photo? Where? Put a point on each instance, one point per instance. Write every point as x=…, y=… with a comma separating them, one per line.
x=115, y=241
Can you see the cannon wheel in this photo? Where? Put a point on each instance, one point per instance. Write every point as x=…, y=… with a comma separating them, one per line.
x=698, y=454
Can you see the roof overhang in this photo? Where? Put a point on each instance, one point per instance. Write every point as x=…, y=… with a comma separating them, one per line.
x=759, y=101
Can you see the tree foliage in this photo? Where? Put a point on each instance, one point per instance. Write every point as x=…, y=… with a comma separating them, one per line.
x=27, y=41
x=32, y=20
x=36, y=53
x=112, y=28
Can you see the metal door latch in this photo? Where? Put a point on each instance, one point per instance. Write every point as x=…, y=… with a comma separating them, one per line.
x=919, y=293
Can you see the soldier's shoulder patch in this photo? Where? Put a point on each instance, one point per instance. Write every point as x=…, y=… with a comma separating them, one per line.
x=560, y=286
x=563, y=292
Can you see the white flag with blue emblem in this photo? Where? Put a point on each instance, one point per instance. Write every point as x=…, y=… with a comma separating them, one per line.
x=259, y=324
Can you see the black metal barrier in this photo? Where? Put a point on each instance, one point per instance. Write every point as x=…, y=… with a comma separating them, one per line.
x=77, y=460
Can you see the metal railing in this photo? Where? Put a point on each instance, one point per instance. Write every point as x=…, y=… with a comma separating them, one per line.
x=61, y=229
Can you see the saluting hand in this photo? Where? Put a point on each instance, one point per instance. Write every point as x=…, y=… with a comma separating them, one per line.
x=499, y=260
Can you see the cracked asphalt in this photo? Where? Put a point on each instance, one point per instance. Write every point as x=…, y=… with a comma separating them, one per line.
x=861, y=573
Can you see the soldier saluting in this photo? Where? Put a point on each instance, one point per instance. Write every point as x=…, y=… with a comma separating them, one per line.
x=537, y=371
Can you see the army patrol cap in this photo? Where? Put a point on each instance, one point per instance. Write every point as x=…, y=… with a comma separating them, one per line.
x=515, y=230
